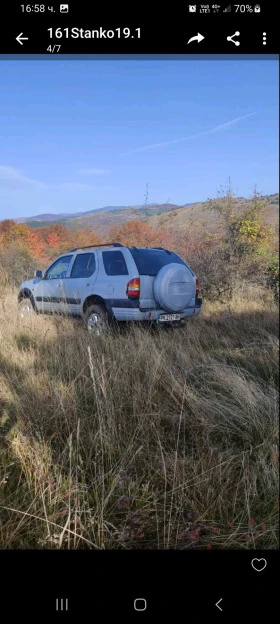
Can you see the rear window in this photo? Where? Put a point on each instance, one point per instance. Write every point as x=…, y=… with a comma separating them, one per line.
x=150, y=261
x=114, y=263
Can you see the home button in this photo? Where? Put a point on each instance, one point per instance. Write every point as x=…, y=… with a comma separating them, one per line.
x=140, y=604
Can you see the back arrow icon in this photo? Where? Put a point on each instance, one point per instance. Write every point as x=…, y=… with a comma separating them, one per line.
x=20, y=38
x=197, y=38
x=217, y=604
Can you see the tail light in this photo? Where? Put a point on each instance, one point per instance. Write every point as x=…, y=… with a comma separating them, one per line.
x=133, y=288
x=197, y=287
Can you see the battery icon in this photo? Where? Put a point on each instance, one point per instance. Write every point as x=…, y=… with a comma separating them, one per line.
x=257, y=8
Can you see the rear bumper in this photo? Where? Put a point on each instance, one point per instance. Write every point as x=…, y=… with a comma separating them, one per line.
x=135, y=314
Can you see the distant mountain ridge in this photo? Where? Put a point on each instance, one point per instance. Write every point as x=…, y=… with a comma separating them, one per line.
x=72, y=215
x=156, y=215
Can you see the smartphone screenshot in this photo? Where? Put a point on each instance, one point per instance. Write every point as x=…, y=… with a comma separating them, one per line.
x=139, y=312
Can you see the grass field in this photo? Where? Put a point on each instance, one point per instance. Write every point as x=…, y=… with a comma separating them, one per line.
x=143, y=440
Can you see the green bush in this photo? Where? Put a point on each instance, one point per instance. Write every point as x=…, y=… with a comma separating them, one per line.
x=273, y=278
x=17, y=263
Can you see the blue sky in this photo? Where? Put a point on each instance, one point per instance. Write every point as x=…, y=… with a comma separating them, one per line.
x=76, y=135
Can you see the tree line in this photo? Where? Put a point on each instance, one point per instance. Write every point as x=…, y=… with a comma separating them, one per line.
x=243, y=247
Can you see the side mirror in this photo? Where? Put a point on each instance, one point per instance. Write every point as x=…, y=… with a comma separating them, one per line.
x=38, y=273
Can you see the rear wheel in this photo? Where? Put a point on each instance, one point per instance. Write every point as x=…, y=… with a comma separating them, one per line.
x=25, y=307
x=96, y=320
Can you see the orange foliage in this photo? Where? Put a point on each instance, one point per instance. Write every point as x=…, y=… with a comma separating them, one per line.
x=34, y=244
x=11, y=232
x=58, y=239
x=47, y=242
x=84, y=237
x=53, y=241
x=135, y=233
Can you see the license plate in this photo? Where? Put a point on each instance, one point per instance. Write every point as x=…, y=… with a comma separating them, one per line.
x=169, y=317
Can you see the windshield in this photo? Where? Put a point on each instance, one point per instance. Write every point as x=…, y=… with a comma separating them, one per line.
x=150, y=261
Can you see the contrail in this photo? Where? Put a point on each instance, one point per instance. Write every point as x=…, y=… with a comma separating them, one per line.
x=224, y=126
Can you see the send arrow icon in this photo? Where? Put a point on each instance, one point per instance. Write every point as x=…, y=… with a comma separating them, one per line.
x=197, y=38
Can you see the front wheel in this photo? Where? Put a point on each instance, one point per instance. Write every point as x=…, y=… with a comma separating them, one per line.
x=96, y=320
x=25, y=308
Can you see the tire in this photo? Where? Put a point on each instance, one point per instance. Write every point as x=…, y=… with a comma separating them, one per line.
x=174, y=287
x=25, y=307
x=96, y=320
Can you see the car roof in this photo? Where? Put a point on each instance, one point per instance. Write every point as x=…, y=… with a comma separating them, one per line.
x=95, y=248
x=84, y=251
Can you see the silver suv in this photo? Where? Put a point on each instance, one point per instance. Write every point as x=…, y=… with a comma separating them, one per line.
x=111, y=282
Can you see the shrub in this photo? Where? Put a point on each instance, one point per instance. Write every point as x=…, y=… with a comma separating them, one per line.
x=17, y=263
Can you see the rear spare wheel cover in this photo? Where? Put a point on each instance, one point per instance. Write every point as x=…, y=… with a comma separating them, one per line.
x=174, y=287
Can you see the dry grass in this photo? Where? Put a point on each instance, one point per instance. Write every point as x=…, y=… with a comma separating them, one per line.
x=140, y=439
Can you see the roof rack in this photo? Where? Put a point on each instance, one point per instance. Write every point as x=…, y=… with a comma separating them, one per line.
x=161, y=248
x=101, y=245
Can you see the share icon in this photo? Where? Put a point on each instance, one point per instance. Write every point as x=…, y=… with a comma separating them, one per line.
x=236, y=34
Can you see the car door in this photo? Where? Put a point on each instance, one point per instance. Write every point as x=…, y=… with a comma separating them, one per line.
x=48, y=290
x=75, y=288
x=113, y=276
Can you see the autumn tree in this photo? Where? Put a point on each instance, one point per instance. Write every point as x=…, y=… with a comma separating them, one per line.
x=53, y=239
x=7, y=227
x=246, y=241
x=12, y=232
x=35, y=245
x=135, y=233
x=83, y=237
x=16, y=260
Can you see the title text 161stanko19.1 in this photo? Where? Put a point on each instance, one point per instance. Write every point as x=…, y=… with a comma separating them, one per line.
x=98, y=33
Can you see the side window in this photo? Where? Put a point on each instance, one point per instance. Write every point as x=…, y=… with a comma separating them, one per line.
x=59, y=268
x=84, y=265
x=114, y=263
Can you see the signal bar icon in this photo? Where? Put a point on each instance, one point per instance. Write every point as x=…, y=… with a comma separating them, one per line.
x=228, y=9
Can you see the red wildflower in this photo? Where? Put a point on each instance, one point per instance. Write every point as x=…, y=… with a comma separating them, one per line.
x=214, y=530
x=194, y=534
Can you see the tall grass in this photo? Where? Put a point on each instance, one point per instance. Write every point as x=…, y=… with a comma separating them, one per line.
x=140, y=439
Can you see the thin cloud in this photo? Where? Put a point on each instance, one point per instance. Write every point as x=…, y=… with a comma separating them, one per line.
x=75, y=186
x=94, y=171
x=224, y=126
x=270, y=158
x=13, y=179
